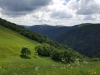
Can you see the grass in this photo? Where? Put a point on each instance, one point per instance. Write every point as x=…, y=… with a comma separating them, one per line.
x=11, y=63
x=12, y=42
x=46, y=66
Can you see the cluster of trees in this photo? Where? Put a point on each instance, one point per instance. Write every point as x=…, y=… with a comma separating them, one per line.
x=23, y=31
x=62, y=55
x=28, y=33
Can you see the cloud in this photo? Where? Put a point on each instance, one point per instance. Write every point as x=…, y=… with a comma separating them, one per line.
x=52, y=12
x=88, y=17
x=59, y=10
x=21, y=7
x=87, y=7
x=60, y=14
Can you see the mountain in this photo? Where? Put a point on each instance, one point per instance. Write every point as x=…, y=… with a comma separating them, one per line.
x=85, y=39
x=50, y=31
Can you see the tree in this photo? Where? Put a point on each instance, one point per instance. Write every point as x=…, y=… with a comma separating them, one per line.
x=25, y=51
x=43, y=49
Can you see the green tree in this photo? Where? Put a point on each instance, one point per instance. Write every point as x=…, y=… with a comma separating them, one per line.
x=25, y=51
x=43, y=49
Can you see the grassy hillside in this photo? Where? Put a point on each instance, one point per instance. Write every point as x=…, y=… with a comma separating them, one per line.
x=11, y=42
x=45, y=66
x=10, y=62
x=56, y=51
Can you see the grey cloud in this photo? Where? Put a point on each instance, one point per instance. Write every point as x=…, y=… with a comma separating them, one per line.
x=87, y=7
x=21, y=7
x=60, y=14
x=88, y=17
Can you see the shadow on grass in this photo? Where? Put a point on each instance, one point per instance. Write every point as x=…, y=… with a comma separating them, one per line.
x=25, y=57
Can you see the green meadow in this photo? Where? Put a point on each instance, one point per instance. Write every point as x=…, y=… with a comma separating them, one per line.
x=11, y=43
x=11, y=63
x=45, y=66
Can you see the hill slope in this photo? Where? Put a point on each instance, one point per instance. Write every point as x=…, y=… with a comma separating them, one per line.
x=85, y=39
x=47, y=47
x=11, y=42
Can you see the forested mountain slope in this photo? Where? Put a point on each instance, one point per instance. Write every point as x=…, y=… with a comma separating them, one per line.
x=50, y=31
x=85, y=39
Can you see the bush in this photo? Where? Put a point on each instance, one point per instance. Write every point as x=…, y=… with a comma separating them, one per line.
x=25, y=52
x=58, y=55
x=95, y=59
x=63, y=56
x=43, y=50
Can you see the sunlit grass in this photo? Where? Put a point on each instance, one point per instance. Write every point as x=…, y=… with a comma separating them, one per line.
x=46, y=66
x=12, y=42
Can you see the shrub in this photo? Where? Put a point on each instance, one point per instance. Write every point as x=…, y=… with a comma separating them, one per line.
x=58, y=55
x=95, y=59
x=25, y=52
x=43, y=50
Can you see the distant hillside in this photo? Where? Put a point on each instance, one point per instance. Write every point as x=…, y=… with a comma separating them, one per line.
x=50, y=31
x=85, y=39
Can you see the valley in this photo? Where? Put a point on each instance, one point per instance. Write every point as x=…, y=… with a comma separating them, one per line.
x=83, y=38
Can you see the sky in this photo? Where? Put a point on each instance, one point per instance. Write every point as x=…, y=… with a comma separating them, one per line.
x=51, y=12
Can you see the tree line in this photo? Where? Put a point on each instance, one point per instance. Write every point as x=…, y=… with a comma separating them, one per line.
x=61, y=55
x=29, y=34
